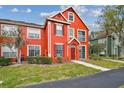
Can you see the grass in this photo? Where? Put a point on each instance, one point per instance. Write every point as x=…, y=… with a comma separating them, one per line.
x=107, y=64
x=122, y=86
x=30, y=74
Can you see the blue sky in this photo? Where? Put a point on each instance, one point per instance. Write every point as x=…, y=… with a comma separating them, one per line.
x=37, y=13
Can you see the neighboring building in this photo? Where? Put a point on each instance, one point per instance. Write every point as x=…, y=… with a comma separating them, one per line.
x=112, y=44
x=63, y=35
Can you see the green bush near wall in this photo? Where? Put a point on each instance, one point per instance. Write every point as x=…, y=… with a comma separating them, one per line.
x=5, y=61
x=39, y=60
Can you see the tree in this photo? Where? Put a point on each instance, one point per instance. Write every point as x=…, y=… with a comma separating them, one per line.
x=14, y=39
x=112, y=20
x=97, y=48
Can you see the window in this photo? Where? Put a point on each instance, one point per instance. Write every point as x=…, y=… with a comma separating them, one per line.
x=59, y=30
x=71, y=32
x=71, y=16
x=33, y=33
x=34, y=50
x=9, y=53
x=59, y=50
x=9, y=30
x=82, y=51
x=81, y=35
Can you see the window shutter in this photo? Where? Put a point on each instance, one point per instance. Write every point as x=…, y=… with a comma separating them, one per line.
x=63, y=29
x=55, y=50
x=54, y=28
x=63, y=50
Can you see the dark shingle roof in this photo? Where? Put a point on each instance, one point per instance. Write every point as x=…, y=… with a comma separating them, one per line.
x=100, y=35
x=14, y=22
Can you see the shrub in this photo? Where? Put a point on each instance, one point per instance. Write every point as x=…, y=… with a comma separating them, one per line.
x=59, y=60
x=38, y=60
x=95, y=57
x=5, y=61
x=46, y=60
x=31, y=60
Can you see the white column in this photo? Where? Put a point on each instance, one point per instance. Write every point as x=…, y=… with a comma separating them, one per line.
x=49, y=39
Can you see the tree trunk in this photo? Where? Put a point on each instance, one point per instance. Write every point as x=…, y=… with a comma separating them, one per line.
x=107, y=46
x=19, y=57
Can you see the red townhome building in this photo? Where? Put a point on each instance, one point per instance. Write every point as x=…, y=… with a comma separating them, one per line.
x=64, y=34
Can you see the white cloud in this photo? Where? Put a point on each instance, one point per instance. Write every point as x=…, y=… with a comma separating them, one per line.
x=96, y=12
x=28, y=10
x=1, y=7
x=47, y=14
x=78, y=8
x=94, y=26
x=14, y=10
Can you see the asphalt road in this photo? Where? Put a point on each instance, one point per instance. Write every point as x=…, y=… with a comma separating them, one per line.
x=109, y=79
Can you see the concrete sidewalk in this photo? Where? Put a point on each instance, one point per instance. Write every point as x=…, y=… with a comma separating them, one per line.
x=114, y=60
x=90, y=65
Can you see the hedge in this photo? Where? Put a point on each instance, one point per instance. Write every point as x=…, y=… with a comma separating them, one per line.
x=5, y=61
x=39, y=60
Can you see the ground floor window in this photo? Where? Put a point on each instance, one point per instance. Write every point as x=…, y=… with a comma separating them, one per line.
x=59, y=50
x=82, y=51
x=34, y=50
x=9, y=53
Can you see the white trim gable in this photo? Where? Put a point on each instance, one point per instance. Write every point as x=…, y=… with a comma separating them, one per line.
x=58, y=20
x=73, y=39
x=57, y=14
x=76, y=14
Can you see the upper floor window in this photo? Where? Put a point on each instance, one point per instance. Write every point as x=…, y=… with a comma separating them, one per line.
x=9, y=53
x=71, y=16
x=59, y=29
x=71, y=32
x=59, y=49
x=34, y=33
x=81, y=36
x=34, y=50
x=9, y=30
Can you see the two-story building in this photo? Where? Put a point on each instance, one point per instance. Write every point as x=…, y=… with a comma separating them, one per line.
x=64, y=34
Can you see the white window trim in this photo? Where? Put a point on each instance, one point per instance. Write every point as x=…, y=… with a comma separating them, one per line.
x=73, y=32
x=8, y=57
x=63, y=47
x=33, y=28
x=85, y=51
x=85, y=34
x=73, y=16
x=33, y=45
x=59, y=43
x=62, y=28
x=5, y=25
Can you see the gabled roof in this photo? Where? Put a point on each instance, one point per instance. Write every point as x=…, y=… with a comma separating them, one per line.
x=100, y=35
x=14, y=22
x=77, y=15
x=60, y=14
x=66, y=19
x=59, y=21
x=73, y=39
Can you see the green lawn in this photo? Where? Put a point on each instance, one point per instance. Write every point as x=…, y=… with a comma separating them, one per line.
x=122, y=86
x=107, y=64
x=31, y=74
